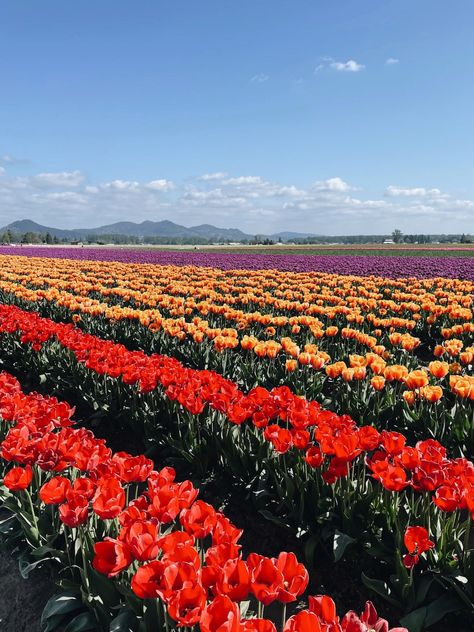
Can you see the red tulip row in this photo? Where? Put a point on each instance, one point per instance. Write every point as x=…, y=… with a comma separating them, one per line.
x=326, y=441
x=177, y=553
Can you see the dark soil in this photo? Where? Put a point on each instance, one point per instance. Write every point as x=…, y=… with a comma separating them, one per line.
x=22, y=600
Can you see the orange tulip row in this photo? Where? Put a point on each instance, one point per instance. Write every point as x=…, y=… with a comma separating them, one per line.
x=179, y=291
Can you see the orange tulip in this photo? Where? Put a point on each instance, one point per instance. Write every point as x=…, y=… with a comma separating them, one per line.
x=347, y=375
x=359, y=372
x=466, y=357
x=336, y=369
x=378, y=382
x=416, y=379
x=304, y=358
x=317, y=361
x=438, y=369
x=395, y=372
x=431, y=393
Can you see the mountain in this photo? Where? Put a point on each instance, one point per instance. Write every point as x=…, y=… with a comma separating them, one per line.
x=163, y=228
x=28, y=226
x=208, y=231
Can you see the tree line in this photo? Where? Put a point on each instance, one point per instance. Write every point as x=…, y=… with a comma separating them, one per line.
x=397, y=237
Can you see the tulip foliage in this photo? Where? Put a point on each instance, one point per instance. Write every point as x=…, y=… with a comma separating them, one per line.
x=374, y=348
x=342, y=405
x=142, y=550
x=320, y=469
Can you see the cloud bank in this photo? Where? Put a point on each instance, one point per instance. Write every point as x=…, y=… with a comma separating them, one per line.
x=67, y=199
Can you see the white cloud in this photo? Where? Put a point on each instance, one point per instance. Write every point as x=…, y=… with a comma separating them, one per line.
x=63, y=179
x=121, y=185
x=242, y=180
x=347, y=66
x=8, y=159
x=216, y=197
x=260, y=78
x=396, y=191
x=391, y=61
x=250, y=202
x=160, y=185
x=331, y=184
x=218, y=175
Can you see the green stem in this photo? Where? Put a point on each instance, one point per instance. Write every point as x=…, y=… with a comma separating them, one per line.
x=33, y=514
x=283, y=617
x=467, y=533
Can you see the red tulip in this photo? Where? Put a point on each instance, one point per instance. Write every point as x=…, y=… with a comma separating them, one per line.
x=304, y=621
x=18, y=478
x=109, y=498
x=187, y=604
x=75, y=511
x=54, y=491
x=234, y=580
x=111, y=557
x=147, y=583
x=266, y=581
x=199, y=520
x=295, y=577
x=221, y=615
x=142, y=538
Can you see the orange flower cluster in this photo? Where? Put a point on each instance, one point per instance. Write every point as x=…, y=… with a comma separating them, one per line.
x=312, y=321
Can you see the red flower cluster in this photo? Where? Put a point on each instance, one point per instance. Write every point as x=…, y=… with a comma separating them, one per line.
x=329, y=441
x=187, y=553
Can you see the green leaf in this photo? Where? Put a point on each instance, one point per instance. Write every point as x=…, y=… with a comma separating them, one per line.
x=54, y=623
x=84, y=622
x=422, y=588
x=309, y=549
x=104, y=587
x=340, y=544
x=125, y=621
x=26, y=567
x=244, y=606
x=462, y=587
x=61, y=604
x=272, y=518
x=415, y=620
x=432, y=613
x=381, y=588
x=441, y=607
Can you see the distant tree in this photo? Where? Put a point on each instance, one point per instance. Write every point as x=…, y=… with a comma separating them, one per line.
x=48, y=239
x=31, y=238
x=7, y=237
x=397, y=236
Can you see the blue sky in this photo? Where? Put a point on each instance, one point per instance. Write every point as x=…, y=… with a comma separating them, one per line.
x=350, y=116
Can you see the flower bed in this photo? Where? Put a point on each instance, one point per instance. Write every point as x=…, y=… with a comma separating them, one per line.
x=171, y=560
x=374, y=485
x=394, y=267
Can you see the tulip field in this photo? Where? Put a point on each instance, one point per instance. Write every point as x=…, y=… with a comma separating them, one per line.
x=334, y=394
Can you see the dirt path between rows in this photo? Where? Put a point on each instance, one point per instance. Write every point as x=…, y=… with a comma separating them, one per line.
x=22, y=600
